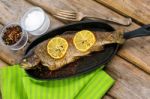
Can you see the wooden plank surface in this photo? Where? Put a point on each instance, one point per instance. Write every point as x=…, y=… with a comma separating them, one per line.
x=5, y=13
x=89, y=7
x=131, y=82
x=139, y=10
x=86, y=7
x=5, y=54
x=2, y=63
x=137, y=51
x=19, y=7
x=107, y=97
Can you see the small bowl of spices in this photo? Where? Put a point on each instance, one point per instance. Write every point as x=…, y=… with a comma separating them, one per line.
x=13, y=36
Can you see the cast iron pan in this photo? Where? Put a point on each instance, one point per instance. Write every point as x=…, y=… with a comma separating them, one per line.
x=84, y=64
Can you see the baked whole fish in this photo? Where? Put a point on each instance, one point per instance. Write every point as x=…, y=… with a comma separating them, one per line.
x=41, y=56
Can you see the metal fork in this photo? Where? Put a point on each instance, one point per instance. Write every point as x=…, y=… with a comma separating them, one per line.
x=67, y=15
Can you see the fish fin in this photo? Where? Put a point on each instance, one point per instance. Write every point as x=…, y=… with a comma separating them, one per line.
x=97, y=48
x=52, y=67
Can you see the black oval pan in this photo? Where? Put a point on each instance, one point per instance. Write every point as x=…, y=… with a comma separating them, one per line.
x=84, y=64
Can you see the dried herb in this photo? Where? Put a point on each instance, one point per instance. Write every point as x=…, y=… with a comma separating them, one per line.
x=12, y=35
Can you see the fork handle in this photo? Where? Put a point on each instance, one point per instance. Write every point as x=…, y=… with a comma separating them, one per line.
x=124, y=22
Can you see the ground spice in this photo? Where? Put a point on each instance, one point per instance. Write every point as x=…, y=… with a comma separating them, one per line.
x=12, y=35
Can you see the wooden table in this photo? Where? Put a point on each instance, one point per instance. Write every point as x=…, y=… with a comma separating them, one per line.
x=130, y=67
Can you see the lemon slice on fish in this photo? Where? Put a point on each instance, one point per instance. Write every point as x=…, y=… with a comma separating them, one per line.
x=57, y=47
x=84, y=40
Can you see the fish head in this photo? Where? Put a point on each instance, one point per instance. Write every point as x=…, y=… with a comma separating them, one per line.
x=26, y=64
x=30, y=61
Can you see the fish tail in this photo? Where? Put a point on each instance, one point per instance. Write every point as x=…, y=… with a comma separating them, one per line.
x=118, y=36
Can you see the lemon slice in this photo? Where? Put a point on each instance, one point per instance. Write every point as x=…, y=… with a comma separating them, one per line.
x=57, y=47
x=84, y=40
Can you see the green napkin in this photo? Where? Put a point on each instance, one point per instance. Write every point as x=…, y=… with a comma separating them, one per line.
x=16, y=84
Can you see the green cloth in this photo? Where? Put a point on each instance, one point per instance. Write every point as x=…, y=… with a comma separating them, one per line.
x=16, y=84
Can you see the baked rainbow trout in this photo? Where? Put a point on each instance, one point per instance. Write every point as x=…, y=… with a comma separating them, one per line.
x=40, y=54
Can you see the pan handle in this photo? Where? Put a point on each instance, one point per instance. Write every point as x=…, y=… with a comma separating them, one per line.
x=142, y=31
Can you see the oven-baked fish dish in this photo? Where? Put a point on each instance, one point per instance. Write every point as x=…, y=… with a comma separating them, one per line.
x=61, y=50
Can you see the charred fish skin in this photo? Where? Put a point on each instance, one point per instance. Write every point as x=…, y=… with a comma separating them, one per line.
x=40, y=54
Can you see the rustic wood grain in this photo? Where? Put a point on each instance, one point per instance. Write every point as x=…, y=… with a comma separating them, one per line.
x=54, y=7
x=137, y=50
x=141, y=56
x=131, y=82
x=139, y=10
x=89, y=7
x=107, y=97
x=2, y=63
x=5, y=54
x=5, y=14
x=77, y=5
x=19, y=7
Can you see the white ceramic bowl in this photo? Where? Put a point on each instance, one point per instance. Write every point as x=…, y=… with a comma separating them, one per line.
x=42, y=28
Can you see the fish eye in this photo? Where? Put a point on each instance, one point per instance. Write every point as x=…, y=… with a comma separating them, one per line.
x=24, y=60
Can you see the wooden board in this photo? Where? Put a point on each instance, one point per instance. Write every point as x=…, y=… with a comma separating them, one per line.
x=107, y=97
x=137, y=51
x=91, y=8
x=139, y=10
x=131, y=83
x=5, y=54
x=2, y=63
x=79, y=6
